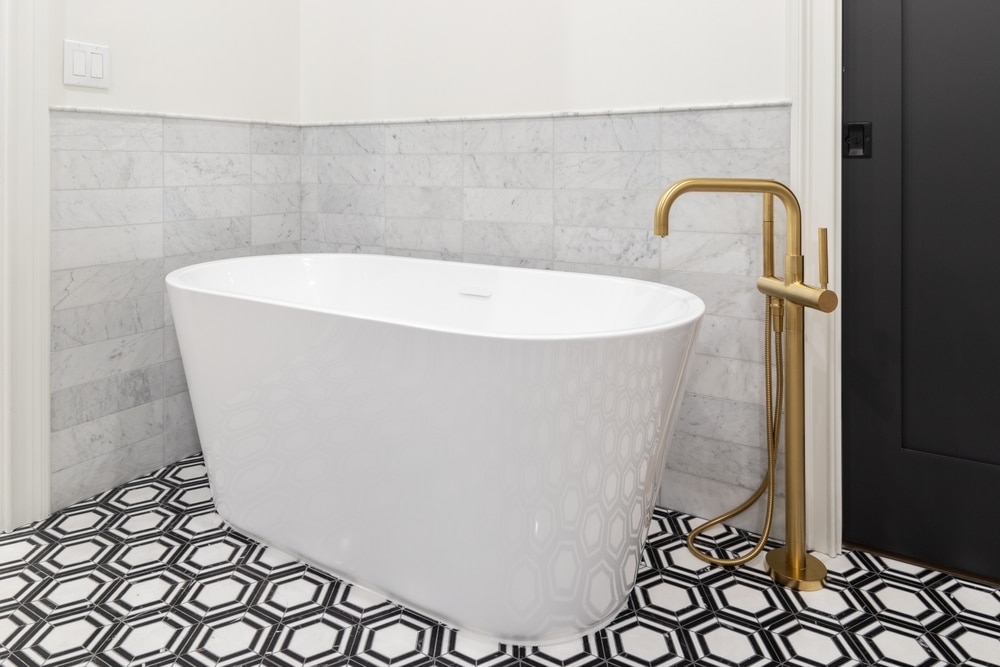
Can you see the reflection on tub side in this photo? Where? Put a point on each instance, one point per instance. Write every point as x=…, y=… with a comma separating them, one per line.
x=501, y=483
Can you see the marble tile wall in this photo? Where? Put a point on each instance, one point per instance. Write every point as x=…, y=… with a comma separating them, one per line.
x=134, y=197
x=578, y=194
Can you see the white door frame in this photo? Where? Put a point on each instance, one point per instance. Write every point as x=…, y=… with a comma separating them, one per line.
x=24, y=262
x=815, y=57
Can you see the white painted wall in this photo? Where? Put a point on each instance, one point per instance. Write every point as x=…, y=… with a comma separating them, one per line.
x=403, y=59
x=225, y=58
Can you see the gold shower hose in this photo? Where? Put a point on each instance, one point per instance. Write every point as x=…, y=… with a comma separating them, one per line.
x=773, y=409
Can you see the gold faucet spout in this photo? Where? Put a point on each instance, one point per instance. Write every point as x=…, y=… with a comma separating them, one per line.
x=793, y=211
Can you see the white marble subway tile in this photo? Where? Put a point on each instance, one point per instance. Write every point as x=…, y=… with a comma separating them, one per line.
x=76, y=209
x=75, y=248
x=180, y=261
x=343, y=139
x=508, y=239
x=87, y=363
x=171, y=347
x=417, y=234
x=177, y=411
x=317, y=247
x=424, y=254
x=733, y=296
x=707, y=498
x=206, y=169
x=102, y=170
x=517, y=262
x=424, y=138
x=727, y=254
x=310, y=197
x=275, y=139
x=348, y=229
x=420, y=202
x=106, y=472
x=105, y=396
x=513, y=170
x=424, y=170
x=352, y=199
x=733, y=337
x=183, y=238
x=716, y=459
x=635, y=273
x=286, y=248
x=601, y=245
x=508, y=205
x=276, y=169
x=309, y=169
x=206, y=202
x=276, y=228
x=174, y=380
x=731, y=379
x=720, y=419
x=605, y=208
x=96, y=284
x=350, y=169
x=761, y=127
x=205, y=136
x=103, y=321
x=98, y=437
x=610, y=171
x=276, y=198
x=75, y=131
x=770, y=163
x=609, y=133
x=528, y=135
x=181, y=443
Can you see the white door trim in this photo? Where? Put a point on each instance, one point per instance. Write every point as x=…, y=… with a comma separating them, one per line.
x=24, y=258
x=815, y=57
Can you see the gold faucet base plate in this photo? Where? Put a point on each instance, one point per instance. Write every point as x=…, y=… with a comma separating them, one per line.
x=808, y=578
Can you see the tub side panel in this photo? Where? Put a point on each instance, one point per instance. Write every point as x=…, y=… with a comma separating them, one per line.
x=500, y=485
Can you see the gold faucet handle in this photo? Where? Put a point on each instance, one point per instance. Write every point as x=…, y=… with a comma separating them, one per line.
x=824, y=260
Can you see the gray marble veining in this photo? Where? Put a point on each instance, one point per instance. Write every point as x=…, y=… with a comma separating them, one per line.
x=609, y=133
x=205, y=169
x=71, y=131
x=198, y=203
x=275, y=139
x=508, y=205
x=205, y=136
x=103, y=321
x=85, y=441
x=76, y=209
x=83, y=170
x=427, y=235
x=523, y=135
x=76, y=248
x=424, y=138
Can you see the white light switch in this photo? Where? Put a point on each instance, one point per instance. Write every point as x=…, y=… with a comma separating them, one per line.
x=96, y=66
x=79, y=63
x=86, y=64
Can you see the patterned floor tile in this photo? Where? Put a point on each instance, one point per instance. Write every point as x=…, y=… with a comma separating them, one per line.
x=149, y=574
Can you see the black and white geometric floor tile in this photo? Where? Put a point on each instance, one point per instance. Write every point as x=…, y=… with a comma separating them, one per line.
x=147, y=574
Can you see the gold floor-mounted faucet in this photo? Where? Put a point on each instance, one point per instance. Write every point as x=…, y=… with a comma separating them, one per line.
x=788, y=296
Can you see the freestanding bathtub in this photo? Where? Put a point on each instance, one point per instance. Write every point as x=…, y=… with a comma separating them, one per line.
x=482, y=444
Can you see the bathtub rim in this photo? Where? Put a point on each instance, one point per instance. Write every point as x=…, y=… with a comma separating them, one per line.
x=694, y=305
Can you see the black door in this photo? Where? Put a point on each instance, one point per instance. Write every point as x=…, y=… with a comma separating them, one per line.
x=921, y=293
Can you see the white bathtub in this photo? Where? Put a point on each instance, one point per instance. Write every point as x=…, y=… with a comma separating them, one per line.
x=482, y=444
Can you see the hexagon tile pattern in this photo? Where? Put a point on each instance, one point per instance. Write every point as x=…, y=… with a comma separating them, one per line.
x=148, y=574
